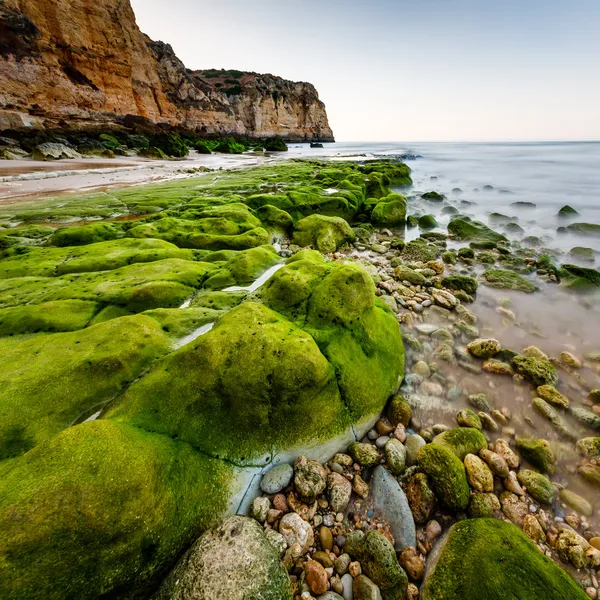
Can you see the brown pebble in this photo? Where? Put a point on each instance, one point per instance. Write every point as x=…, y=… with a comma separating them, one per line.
x=326, y=538
x=316, y=577
x=595, y=541
x=355, y=569
x=280, y=503
x=384, y=427
x=433, y=530
x=400, y=433
x=413, y=563
x=273, y=515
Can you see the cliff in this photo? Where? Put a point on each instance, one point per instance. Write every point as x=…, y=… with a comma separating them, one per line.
x=85, y=65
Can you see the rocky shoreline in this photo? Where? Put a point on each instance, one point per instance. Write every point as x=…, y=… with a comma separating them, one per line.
x=436, y=483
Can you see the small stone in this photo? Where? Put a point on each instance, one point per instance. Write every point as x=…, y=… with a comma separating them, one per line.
x=504, y=450
x=595, y=542
x=495, y=462
x=280, y=503
x=433, y=530
x=400, y=432
x=413, y=563
x=381, y=441
x=444, y=298
x=326, y=538
x=260, y=508
x=276, y=479
x=354, y=568
x=339, y=490
x=395, y=454
x=365, y=589
x=365, y=455
x=421, y=368
x=384, y=427
x=316, y=577
x=421, y=498
x=478, y=474
x=347, y=585
x=413, y=444
x=513, y=508
x=550, y=394
x=342, y=564
x=399, y=411
x=538, y=486
x=511, y=483
x=497, y=367
x=576, y=502
x=533, y=530
x=295, y=530
x=360, y=486
x=538, y=452
x=431, y=388
x=309, y=478
x=467, y=418
x=277, y=541
x=483, y=505
x=345, y=460
x=273, y=515
x=481, y=402
x=412, y=593
x=484, y=348
x=570, y=360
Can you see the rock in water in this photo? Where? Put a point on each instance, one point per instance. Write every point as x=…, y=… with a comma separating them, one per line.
x=235, y=561
x=391, y=503
x=492, y=559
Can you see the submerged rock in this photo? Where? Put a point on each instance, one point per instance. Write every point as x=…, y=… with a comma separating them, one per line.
x=507, y=280
x=540, y=371
x=248, y=567
x=538, y=452
x=488, y=558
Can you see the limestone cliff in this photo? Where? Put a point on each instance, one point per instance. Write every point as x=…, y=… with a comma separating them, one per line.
x=84, y=64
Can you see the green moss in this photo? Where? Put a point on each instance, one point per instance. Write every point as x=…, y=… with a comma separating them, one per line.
x=538, y=486
x=390, y=211
x=462, y=441
x=86, y=234
x=428, y=222
x=433, y=196
x=103, y=508
x=243, y=268
x=326, y=234
x=447, y=475
x=508, y=280
x=579, y=278
x=459, y=282
x=48, y=381
x=492, y=559
x=462, y=229
x=217, y=300
x=419, y=251
x=538, y=452
x=590, y=229
x=177, y=322
x=274, y=217
x=540, y=371
x=589, y=447
x=108, y=313
x=51, y=317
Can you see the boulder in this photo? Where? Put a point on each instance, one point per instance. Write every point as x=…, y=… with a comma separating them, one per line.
x=325, y=234
x=53, y=151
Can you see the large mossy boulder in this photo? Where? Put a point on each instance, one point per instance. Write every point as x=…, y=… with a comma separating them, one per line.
x=85, y=234
x=102, y=508
x=234, y=561
x=325, y=234
x=493, y=559
x=389, y=211
x=579, y=278
x=463, y=229
x=507, y=280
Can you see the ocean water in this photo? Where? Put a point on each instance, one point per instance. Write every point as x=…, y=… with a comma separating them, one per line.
x=547, y=174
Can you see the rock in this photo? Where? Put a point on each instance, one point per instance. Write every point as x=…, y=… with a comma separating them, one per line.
x=550, y=413
x=481, y=402
x=365, y=455
x=249, y=566
x=467, y=418
x=511, y=483
x=538, y=486
x=507, y=280
x=591, y=473
x=331, y=596
x=479, y=475
x=326, y=539
x=340, y=491
x=360, y=487
x=395, y=454
x=276, y=479
x=576, y=502
x=484, y=348
x=413, y=444
x=364, y=589
x=538, y=452
x=259, y=508
x=316, y=577
x=540, y=371
x=504, y=450
x=403, y=273
x=412, y=562
x=587, y=417
x=347, y=587
x=378, y=561
x=498, y=367
x=310, y=478
x=277, y=541
x=570, y=360
x=462, y=441
x=550, y=394
x=567, y=211
x=421, y=368
x=514, y=508
x=420, y=498
x=571, y=547
x=495, y=462
x=489, y=558
x=296, y=530
x=323, y=233
x=483, y=505
x=399, y=411
x=460, y=283
x=533, y=530
x=446, y=474
x=342, y=563
x=52, y=151
x=444, y=299
x=589, y=447
x=431, y=388
x=390, y=502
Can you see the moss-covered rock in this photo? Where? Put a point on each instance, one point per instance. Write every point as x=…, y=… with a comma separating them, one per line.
x=579, y=278
x=589, y=447
x=550, y=394
x=427, y=222
x=85, y=234
x=103, y=508
x=326, y=234
x=459, y=282
x=447, y=475
x=590, y=229
x=540, y=371
x=489, y=558
x=507, y=280
x=274, y=217
x=462, y=229
x=47, y=382
x=538, y=452
x=462, y=441
x=538, y=486
x=419, y=251
x=390, y=211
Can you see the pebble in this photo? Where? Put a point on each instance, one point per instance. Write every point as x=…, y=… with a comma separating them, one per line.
x=295, y=530
x=354, y=568
x=381, y=441
x=276, y=479
x=347, y=583
x=316, y=577
x=342, y=564
x=260, y=508
x=413, y=444
x=326, y=538
x=433, y=530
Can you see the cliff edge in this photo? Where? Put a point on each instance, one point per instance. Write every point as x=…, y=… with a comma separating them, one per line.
x=85, y=65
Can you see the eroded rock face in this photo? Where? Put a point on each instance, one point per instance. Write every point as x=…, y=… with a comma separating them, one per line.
x=87, y=64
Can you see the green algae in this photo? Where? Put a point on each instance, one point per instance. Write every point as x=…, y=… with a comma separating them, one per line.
x=462, y=441
x=489, y=558
x=508, y=280
x=86, y=234
x=461, y=229
x=389, y=211
x=103, y=508
x=48, y=381
x=326, y=234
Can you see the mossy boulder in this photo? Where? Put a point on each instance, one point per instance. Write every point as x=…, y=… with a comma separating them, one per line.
x=538, y=370
x=462, y=441
x=589, y=229
x=389, y=211
x=460, y=282
x=507, y=280
x=538, y=486
x=579, y=278
x=47, y=382
x=567, y=211
x=103, y=508
x=85, y=234
x=446, y=474
x=489, y=558
x=589, y=447
x=538, y=452
x=274, y=217
x=248, y=567
x=461, y=229
x=326, y=234
x=433, y=197
x=403, y=273
x=427, y=222
x=419, y=251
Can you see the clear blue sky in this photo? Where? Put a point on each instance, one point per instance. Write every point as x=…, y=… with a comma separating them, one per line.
x=409, y=70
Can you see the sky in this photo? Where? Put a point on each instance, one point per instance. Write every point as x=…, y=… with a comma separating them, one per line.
x=408, y=70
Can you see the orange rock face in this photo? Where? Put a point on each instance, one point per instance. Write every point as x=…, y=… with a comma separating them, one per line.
x=84, y=64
